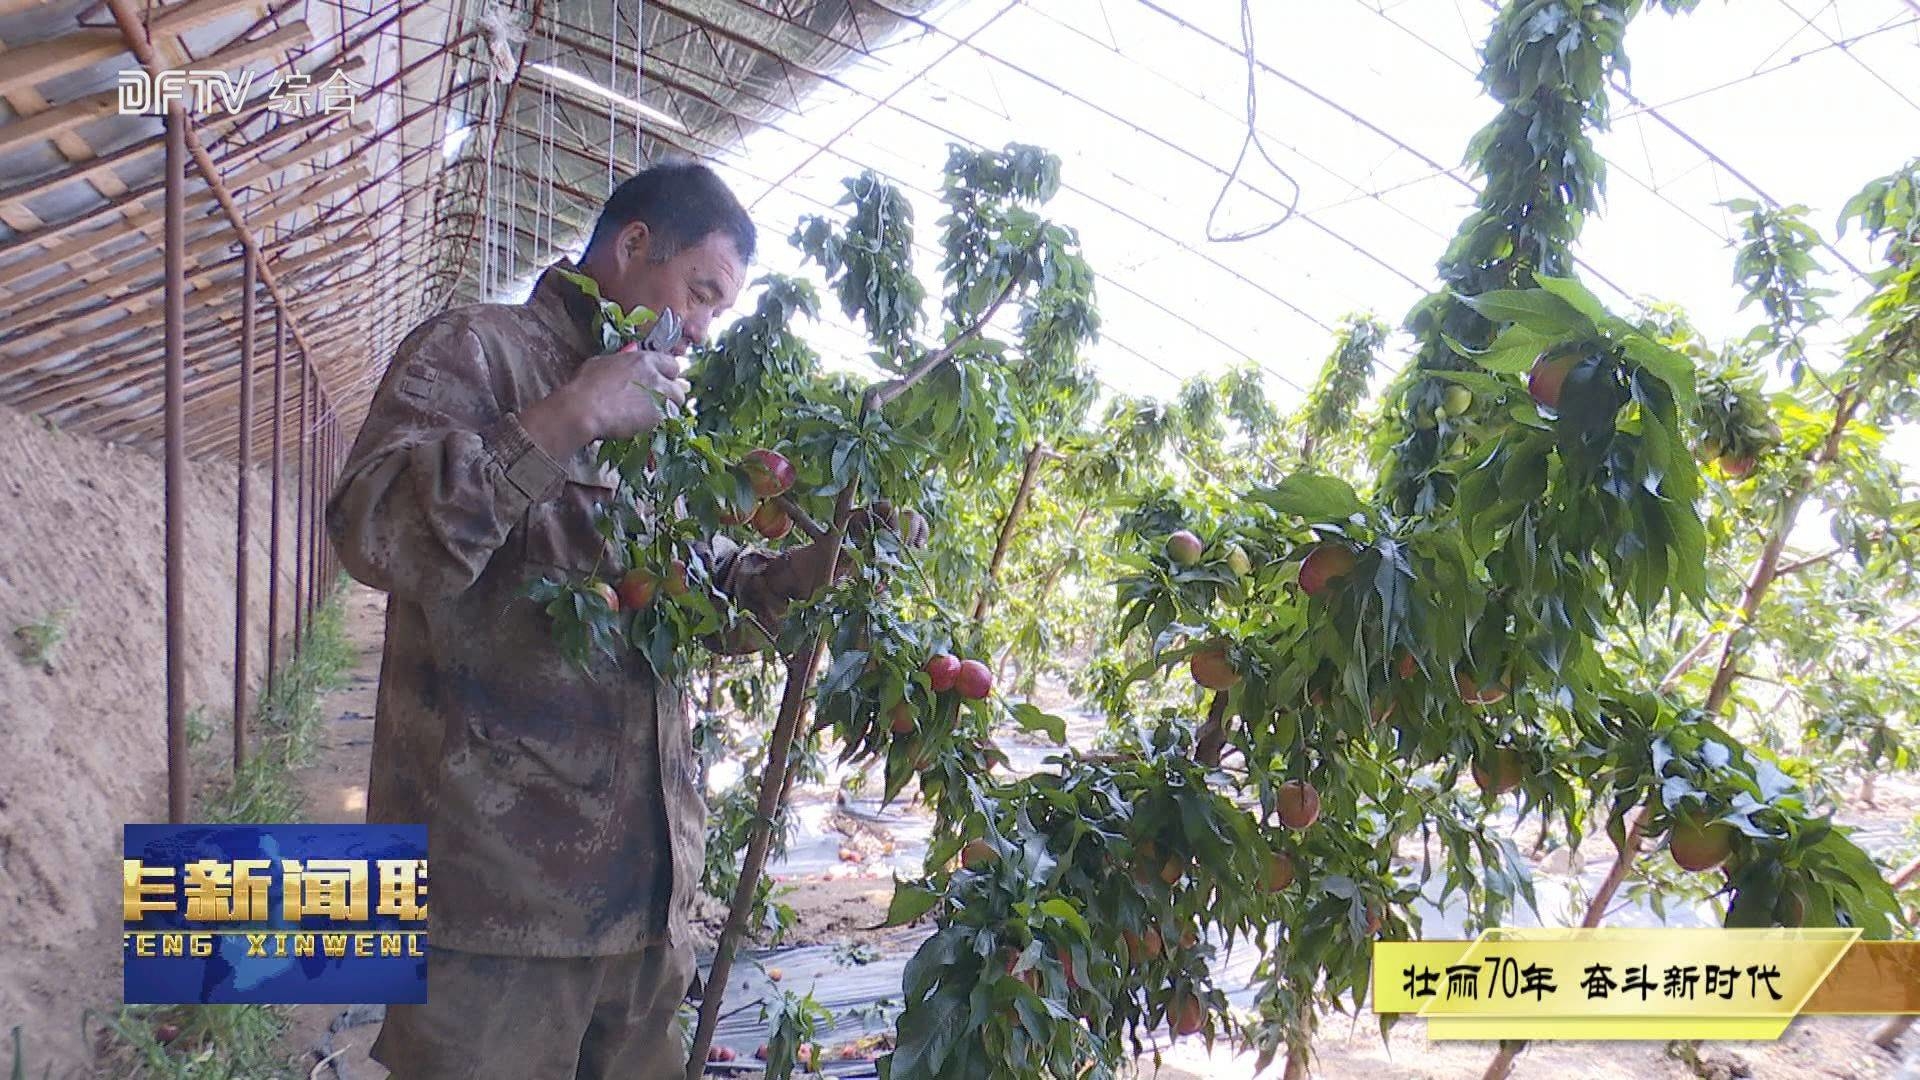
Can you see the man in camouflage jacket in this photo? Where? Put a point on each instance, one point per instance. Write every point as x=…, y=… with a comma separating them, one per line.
x=564, y=821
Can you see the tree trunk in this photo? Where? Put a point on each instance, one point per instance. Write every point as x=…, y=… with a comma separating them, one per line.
x=1502, y=1064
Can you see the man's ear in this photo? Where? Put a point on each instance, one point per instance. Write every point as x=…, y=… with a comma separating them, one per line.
x=634, y=242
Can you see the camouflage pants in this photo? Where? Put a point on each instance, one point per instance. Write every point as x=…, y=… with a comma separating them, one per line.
x=538, y=1018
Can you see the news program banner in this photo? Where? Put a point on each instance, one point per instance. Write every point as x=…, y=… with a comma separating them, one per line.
x=275, y=914
x=1642, y=983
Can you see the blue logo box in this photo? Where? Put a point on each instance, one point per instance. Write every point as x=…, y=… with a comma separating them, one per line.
x=275, y=914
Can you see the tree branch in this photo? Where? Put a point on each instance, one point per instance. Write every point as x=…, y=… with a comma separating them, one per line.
x=882, y=394
x=1004, y=540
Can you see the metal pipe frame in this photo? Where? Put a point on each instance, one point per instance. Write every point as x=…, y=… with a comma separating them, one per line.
x=241, y=583
x=176, y=466
x=273, y=529
x=135, y=33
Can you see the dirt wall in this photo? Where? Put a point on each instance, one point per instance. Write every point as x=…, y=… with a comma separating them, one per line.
x=83, y=745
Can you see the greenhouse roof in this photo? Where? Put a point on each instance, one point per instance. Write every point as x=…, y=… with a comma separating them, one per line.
x=486, y=149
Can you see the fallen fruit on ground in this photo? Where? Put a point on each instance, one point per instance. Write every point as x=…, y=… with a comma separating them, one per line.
x=1549, y=375
x=774, y=974
x=977, y=854
x=770, y=473
x=1184, y=548
x=721, y=1053
x=1499, y=773
x=1699, y=846
x=1298, y=803
x=635, y=589
x=605, y=592
x=1211, y=669
x=974, y=681
x=165, y=1033
x=1280, y=871
x=1323, y=566
x=941, y=672
x=771, y=522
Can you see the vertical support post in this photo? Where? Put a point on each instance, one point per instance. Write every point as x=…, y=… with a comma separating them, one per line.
x=279, y=467
x=241, y=583
x=176, y=463
x=300, y=514
x=324, y=579
x=333, y=478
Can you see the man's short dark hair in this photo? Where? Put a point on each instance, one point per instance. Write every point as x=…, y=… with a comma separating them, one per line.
x=682, y=203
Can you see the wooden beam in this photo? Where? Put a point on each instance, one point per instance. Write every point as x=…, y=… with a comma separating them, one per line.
x=93, y=239
x=45, y=304
x=241, y=53
x=270, y=210
x=135, y=352
x=217, y=339
x=180, y=18
x=36, y=307
x=31, y=65
x=55, y=122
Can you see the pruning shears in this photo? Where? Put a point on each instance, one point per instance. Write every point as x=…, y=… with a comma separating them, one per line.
x=664, y=334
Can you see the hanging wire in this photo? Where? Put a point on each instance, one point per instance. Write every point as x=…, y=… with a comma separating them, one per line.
x=488, y=261
x=544, y=245
x=640, y=50
x=1251, y=142
x=613, y=79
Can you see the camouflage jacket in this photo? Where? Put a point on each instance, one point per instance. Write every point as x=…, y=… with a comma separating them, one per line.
x=563, y=813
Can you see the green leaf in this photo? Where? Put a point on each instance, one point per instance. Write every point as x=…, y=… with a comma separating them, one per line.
x=1575, y=295
x=1535, y=309
x=1514, y=351
x=1664, y=364
x=910, y=901
x=927, y=1033
x=1312, y=497
x=1032, y=718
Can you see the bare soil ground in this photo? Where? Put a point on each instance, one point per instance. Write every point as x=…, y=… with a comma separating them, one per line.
x=83, y=736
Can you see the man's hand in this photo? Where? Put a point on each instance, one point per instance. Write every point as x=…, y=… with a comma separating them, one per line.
x=808, y=565
x=613, y=396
